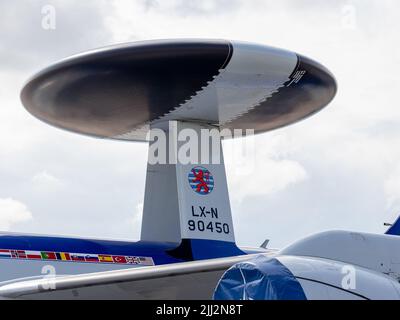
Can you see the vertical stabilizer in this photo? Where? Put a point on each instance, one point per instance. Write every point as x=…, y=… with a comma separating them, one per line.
x=187, y=201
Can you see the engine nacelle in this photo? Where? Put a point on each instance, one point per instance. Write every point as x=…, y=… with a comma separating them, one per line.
x=303, y=278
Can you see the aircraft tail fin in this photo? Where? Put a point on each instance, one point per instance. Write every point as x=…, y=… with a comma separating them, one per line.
x=188, y=203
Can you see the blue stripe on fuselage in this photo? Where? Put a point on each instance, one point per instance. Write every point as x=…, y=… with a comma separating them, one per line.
x=161, y=252
x=156, y=250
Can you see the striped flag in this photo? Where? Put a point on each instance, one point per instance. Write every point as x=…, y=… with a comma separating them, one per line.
x=21, y=254
x=91, y=258
x=5, y=253
x=103, y=258
x=147, y=261
x=77, y=257
x=63, y=256
x=33, y=255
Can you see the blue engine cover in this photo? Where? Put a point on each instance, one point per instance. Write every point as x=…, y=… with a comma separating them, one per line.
x=261, y=278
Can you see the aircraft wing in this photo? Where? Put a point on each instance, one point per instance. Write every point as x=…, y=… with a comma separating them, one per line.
x=185, y=280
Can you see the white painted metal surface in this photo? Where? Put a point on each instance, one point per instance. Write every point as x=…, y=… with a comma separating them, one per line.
x=329, y=279
x=378, y=252
x=173, y=210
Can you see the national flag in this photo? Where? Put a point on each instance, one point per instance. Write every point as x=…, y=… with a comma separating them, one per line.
x=132, y=260
x=21, y=254
x=49, y=255
x=33, y=255
x=91, y=258
x=77, y=257
x=104, y=258
x=63, y=256
x=147, y=261
x=119, y=259
x=5, y=253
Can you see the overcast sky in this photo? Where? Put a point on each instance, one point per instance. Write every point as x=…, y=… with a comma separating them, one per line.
x=339, y=169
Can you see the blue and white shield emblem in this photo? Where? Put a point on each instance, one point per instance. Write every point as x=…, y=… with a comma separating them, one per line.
x=201, y=180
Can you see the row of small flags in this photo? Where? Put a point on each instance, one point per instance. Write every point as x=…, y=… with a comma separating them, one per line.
x=78, y=257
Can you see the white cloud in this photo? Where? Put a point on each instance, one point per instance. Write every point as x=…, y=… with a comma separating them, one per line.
x=12, y=212
x=266, y=176
x=392, y=189
x=273, y=176
x=260, y=166
x=46, y=182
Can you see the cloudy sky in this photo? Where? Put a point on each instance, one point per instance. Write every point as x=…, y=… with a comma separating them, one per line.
x=339, y=169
